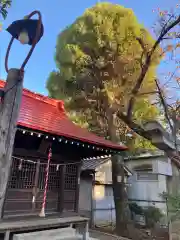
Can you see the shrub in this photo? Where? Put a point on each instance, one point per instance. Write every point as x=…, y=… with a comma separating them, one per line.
x=152, y=216
x=136, y=209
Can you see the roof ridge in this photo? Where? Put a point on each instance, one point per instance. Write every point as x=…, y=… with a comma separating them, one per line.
x=40, y=97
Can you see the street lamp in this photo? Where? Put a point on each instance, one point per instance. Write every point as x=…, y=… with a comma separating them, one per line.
x=26, y=27
x=27, y=31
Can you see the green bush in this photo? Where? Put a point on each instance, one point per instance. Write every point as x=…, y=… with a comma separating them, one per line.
x=135, y=208
x=152, y=216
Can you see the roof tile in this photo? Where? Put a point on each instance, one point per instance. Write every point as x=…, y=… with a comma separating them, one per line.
x=48, y=115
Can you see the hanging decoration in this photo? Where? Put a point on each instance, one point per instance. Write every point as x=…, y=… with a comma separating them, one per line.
x=59, y=164
x=42, y=213
x=20, y=165
x=57, y=167
x=51, y=164
x=64, y=140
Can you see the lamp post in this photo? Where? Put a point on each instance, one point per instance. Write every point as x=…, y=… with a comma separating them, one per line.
x=27, y=31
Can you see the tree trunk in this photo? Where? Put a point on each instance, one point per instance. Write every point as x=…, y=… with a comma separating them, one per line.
x=120, y=197
x=119, y=191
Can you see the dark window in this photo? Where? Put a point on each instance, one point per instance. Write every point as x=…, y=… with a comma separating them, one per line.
x=146, y=176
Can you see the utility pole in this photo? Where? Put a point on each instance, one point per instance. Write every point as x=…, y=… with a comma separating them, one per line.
x=9, y=111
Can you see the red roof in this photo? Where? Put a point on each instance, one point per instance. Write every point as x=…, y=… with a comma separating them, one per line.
x=48, y=115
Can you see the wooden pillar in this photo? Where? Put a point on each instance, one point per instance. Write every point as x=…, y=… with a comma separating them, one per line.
x=92, y=201
x=77, y=188
x=9, y=110
x=61, y=192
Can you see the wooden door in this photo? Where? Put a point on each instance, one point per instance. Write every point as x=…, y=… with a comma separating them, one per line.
x=26, y=185
x=25, y=190
x=19, y=193
x=54, y=184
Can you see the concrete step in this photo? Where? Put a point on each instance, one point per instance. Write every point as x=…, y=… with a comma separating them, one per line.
x=89, y=238
x=53, y=234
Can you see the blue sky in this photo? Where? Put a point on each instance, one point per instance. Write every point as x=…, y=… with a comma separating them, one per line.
x=56, y=16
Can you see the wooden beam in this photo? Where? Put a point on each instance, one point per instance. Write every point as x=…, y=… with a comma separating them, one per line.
x=44, y=145
x=9, y=111
x=21, y=152
x=34, y=154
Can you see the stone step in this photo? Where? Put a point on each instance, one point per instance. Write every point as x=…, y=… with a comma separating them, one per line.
x=78, y=237
x=89, y=238
x=53, y=234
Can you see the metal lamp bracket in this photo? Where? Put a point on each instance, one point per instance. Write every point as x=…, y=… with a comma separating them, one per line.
x=38, y=30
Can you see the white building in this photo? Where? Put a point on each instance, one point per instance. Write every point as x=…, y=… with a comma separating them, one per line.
x=149, y=175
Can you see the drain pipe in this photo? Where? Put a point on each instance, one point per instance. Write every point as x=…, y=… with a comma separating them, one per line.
x=92, y=200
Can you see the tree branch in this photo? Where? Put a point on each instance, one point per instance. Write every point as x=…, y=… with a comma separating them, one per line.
x=141, y=43
x=134, y=126
x=147, y=65
x=174, y=156
x=163, y=102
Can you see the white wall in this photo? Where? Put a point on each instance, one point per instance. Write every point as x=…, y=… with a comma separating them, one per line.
x=103, y=173
x=146, y=190
x=85, y=195
x=162, y=167
x=149, y=191
x=104, y=213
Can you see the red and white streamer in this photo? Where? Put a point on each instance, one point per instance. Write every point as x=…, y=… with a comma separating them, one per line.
x=42, y=213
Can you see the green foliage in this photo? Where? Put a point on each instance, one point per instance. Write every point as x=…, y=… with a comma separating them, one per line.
x=152, y=216
x=4, y=5
x=173, y=203
x=136, y=209
x=99, y=59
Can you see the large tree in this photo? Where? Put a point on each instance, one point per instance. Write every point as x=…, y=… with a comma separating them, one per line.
x=101, y=47
x=99, y=58
x=106, y=74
